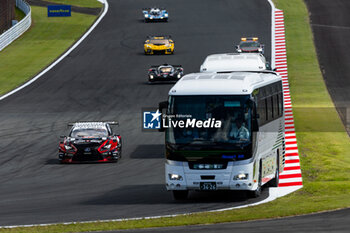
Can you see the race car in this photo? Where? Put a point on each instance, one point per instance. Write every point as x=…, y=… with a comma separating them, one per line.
x=165, y=72
x=159, y=45
x=155, y=14
x=90, y=142
x=250, y=45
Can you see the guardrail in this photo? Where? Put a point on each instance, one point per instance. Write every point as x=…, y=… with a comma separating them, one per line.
x=17, y=30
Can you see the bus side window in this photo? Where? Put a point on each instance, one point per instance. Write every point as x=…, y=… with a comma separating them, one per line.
x=276, y=112
x=262, y=111
x=280, y=104
x=269, y=115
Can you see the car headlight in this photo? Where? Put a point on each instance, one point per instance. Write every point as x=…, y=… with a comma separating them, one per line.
x=260, y=49
x=146, y=15
x=175, y=177
x=239, y=50
x=179, y=76
x=241, y=176
x=107, y=147
x=151, y=76
x=165, y=15
x=67, y=147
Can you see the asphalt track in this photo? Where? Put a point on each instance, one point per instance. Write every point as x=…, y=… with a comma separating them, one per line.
x=105, y=79
x=337, y=221
x=330, y=22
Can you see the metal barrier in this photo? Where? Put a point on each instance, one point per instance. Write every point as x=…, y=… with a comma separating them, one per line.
x=17, y=30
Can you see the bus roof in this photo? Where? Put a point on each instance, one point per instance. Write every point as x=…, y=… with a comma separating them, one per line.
x=234, y=83
x=234, y=62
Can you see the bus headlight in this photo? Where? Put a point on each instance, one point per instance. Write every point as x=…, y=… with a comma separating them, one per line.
x=241, y=176
x=175, y=177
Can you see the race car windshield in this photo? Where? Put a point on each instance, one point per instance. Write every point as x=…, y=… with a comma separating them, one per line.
x=158, y=41
x=88, y=133
x=165, y=69
x=249, y=44
x=155, y=11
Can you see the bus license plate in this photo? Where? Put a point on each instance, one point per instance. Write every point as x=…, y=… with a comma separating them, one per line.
x=207, y=186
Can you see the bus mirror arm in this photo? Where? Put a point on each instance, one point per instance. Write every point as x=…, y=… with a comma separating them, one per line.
x=162, y=107
x=255, y=125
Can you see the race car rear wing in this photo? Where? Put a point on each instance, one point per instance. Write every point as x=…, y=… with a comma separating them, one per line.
x=165, y=36
x=149, y=8
x=94, y=122
x=175, y=66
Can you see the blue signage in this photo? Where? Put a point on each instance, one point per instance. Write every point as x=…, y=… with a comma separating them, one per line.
x=59, y=11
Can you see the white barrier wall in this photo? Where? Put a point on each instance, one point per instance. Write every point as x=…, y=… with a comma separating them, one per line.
x=16, y=31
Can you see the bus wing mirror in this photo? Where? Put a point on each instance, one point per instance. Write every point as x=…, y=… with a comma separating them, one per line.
x=162, y=106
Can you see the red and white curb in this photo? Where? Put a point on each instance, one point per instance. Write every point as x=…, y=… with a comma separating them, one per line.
x=291, y=175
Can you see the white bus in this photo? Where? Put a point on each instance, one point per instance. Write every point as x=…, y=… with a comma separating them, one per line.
x=244, y=153
x=228, y=62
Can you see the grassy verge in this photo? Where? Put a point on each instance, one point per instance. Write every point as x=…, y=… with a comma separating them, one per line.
x=325, y=156
x=19, y=15
x=81, y=3
x=39, y=46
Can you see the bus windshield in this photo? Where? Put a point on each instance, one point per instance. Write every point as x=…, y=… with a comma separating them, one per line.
x=234, y=112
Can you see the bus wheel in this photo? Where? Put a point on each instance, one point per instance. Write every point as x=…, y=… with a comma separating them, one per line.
x=275, y=181
x=180, y=194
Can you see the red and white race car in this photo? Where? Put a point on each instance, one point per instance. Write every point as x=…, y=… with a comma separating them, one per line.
x=90, y=142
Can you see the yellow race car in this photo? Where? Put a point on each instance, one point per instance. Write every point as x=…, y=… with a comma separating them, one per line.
x=159, y=45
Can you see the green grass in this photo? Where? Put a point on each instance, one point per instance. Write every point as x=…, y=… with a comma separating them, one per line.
x=325, y=156
x=39, y=46
x=19, y=15
x=82, y=3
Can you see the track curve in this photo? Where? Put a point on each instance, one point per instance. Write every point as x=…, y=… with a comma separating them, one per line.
x=105, y=79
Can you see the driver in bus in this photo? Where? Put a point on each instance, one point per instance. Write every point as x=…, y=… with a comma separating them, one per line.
x=240, y=132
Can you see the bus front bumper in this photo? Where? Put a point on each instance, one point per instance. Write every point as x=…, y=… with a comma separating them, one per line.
x=180, y=177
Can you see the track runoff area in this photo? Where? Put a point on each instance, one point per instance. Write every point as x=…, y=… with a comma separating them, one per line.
x=290, y=178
